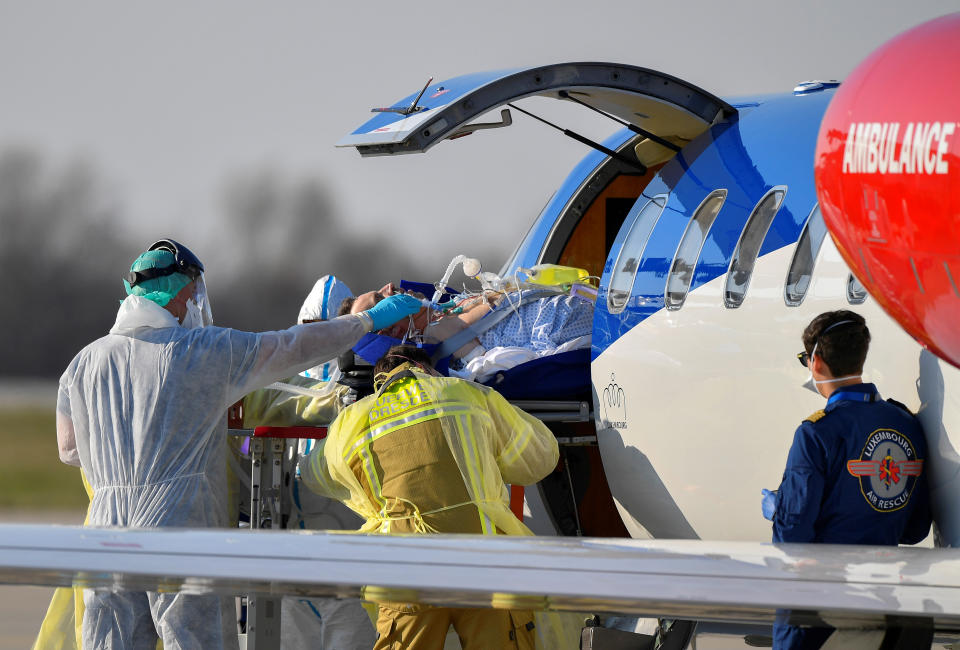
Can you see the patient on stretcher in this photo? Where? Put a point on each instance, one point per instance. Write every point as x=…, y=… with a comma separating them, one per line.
x=528, y=323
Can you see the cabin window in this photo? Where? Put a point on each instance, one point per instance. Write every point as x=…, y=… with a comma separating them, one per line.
x=804, y=257
x=856, y=294
x=748, y=248
x=688, y=252
x=628, y=260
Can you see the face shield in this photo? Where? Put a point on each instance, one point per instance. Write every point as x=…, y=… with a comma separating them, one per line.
x=198, y=313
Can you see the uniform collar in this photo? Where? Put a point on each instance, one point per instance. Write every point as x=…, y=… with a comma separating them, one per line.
x=853, y=393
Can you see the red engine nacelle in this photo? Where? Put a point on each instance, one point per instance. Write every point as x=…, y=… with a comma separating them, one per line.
x=888, y=180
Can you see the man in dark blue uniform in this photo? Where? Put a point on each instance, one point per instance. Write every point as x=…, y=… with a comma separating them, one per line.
x=855, y=472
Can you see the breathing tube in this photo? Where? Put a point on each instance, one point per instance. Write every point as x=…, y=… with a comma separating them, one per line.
x=471, y=268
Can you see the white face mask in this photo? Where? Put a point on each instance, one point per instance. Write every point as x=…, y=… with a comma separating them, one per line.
x=811, y=383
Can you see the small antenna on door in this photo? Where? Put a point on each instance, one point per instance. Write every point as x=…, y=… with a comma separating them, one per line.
x=412, y=108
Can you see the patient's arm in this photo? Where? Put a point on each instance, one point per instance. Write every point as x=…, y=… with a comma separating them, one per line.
x=473, y=309
x=455, y=323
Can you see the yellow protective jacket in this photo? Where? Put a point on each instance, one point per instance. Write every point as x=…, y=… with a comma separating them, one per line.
x=434, y=454
x=431, y=454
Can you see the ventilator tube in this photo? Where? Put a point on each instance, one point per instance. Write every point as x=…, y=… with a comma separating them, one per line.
x=471, y=267
x=490, y=281
x=429, y=304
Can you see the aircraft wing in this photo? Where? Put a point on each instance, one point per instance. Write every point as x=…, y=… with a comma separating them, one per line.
x=720, y=581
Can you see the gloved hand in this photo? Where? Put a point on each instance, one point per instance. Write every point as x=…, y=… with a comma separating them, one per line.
x=768, y=503
x=393, y=308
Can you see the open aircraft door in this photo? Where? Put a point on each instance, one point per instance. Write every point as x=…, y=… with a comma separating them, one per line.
x=658, y=104
x=655, y=115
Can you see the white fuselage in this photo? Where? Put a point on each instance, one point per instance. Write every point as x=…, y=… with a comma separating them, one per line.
x=712, y=397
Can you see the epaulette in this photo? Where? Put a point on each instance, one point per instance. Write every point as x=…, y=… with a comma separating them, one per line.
x=816, y=415
x=900, y=405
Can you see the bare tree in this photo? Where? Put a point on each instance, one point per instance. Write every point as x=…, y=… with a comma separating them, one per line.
x=65, y=243
x=60, y=262
x=282, y=235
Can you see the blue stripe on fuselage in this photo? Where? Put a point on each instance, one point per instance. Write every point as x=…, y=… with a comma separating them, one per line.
x=770, y=143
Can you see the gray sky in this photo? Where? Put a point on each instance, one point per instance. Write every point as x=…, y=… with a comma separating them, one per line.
x=170, y=99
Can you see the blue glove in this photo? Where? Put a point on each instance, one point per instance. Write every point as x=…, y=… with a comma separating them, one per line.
x=768, y=504
x=393, y=308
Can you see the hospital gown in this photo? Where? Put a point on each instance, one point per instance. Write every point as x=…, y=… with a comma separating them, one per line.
x=542, y=325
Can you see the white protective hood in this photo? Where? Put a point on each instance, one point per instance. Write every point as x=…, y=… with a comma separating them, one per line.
x=321, y=304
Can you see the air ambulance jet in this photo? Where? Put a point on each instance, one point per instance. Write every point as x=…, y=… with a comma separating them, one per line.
x=701, y=218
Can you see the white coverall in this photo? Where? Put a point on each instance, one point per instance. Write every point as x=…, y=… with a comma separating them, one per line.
x=143, y=412
x=315, y=623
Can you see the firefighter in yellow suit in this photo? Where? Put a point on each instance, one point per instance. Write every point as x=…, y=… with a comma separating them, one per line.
x=432, y=454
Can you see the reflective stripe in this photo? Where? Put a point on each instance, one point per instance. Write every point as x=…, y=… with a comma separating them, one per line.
x=423, y=414
x=372, y=478
x=468, y=442
x=370, y=434
x=517, y=447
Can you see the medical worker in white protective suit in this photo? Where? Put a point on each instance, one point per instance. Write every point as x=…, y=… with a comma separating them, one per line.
x=143, y=411
x=322, y=623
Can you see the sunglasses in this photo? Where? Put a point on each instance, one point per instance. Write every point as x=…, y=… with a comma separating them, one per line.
x=804, y=357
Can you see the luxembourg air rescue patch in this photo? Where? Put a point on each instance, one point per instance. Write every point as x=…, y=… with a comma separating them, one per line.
x=888, y=469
